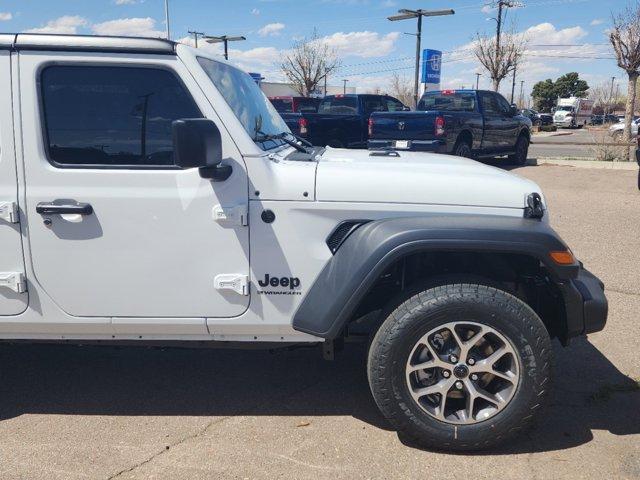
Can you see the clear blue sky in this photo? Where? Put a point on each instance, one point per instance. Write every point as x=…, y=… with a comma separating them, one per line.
x=370, y=46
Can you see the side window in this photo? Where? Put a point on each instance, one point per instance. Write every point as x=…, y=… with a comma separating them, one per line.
x=112, y=116
x=394, y=105
x=489, y=104
x=503, y=105
x=373, y=104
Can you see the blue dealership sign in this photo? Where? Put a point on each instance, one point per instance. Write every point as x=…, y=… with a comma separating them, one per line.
x=431, y=63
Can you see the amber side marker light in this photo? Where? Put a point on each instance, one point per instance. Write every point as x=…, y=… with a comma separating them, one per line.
x=564, y=257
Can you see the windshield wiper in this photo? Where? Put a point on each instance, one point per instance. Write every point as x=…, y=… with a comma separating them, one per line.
x=263, y=137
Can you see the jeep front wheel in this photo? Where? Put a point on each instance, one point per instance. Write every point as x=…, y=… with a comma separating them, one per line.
x=460, y=367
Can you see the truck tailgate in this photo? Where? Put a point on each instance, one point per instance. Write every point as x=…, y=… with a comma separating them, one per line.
x=403, y=125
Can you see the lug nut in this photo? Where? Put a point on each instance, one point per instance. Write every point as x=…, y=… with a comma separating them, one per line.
x=453, y=359
x=459, y=385
x=446, y=374
x=471, y=361
x=474, y=377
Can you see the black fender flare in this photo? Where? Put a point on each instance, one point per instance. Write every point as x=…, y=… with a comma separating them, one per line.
x=372, y=248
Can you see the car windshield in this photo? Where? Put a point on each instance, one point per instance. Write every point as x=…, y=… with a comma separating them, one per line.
x=448, y=102
x=250, y=106
x=565, y=109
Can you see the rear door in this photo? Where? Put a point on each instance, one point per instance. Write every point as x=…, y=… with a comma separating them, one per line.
x=151, y=245
x=13, y=295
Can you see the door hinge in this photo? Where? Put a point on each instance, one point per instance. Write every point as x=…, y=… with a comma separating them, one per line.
x=9, y=212
x=232, y=281
x=237, y=215
x=13, y=280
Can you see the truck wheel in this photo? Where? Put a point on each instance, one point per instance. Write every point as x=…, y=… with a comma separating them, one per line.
x=462, y=149
x=460, y=367
x=522, y=150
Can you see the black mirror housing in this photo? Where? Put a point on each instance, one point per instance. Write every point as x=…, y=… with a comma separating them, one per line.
x=196, y=143
x=514, y=109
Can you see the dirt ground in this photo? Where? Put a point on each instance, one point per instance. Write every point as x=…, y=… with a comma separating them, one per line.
x=88, y=412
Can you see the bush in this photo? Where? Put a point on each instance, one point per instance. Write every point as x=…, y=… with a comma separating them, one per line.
x=548, y=128
x=605, y=150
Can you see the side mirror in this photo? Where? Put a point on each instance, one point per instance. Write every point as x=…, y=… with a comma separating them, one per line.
x=197, y=144
x=406, y=109
x=514, y=110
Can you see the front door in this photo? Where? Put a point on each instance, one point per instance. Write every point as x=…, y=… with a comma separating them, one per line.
x=509, y=124
x=140, y=239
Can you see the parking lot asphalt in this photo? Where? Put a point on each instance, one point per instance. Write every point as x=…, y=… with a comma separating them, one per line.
x=102, y=412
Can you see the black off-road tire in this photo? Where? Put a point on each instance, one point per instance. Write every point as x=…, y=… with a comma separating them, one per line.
x=391, y=346
x=522, y=151
x=462, y=148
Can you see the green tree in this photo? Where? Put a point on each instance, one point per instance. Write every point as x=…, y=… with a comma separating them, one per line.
x=570, y=85
x=544, y=95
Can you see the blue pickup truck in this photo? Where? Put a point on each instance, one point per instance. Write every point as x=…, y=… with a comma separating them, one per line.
x=466, y=123
x=341, y=120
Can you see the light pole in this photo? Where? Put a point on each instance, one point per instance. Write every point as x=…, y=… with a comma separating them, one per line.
x=344, y=86
x=405, y=14
x=513, y=83
x=613, y=79
x=195, y=36
x=521, y=94
x=223, y=39
x=478, y=80
x=166, y=18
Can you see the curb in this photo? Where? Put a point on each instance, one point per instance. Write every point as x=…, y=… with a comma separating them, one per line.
x=583, y=163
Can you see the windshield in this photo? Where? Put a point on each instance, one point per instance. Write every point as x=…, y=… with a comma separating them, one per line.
x=565, y=109
x=456, y=102
x=249, y=104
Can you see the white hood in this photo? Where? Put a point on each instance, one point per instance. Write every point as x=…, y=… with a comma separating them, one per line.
x=418, y=178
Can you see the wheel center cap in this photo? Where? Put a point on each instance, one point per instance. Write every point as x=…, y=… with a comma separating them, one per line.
x=461, y=371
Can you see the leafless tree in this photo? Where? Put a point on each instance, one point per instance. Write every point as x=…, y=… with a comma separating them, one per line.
x=625, y=39
x=308, y=63
x=603, y=95
x=499, y=58
x=401, y=88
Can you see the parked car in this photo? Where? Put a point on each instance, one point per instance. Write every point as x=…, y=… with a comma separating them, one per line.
x=596, y=120
x=288, y=104
x=152, y=195
x=466, y=123
x=341, y=120
x=537, y=119
x=289, y=109
x=573, y=112
x=546, y=118
x=617, y=129
x=531, y=115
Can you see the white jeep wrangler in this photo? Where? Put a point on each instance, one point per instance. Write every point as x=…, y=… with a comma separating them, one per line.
x=150, y=193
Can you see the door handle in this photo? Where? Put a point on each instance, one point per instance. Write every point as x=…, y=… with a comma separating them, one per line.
x=44, y=208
